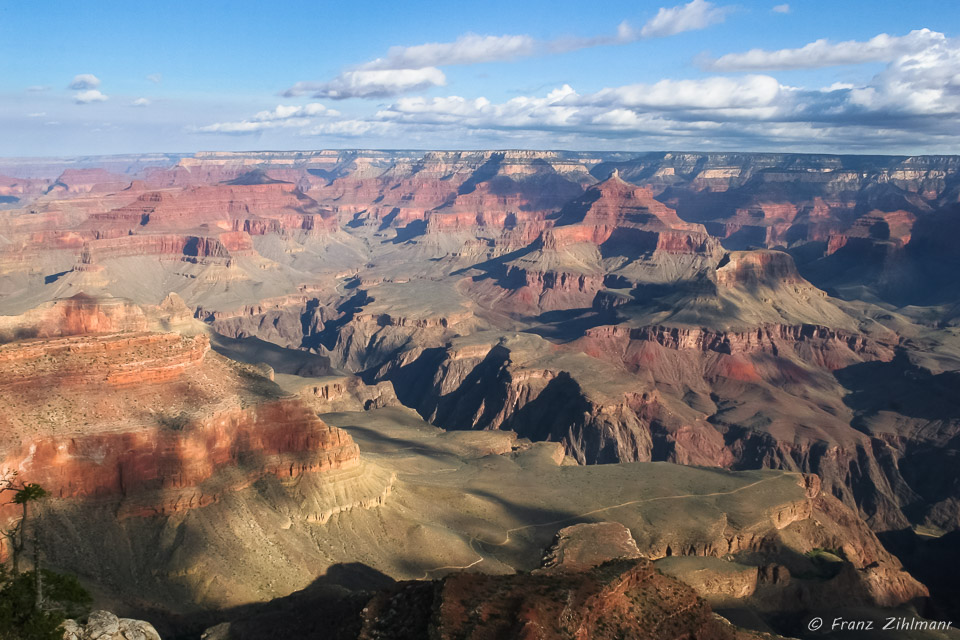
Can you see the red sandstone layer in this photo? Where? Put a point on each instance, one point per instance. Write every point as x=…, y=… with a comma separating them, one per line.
x=151, y=419
x=78, y=315
x=113, y=359
x=163, y=469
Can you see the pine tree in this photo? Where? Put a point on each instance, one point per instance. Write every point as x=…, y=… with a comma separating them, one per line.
x=31, y=493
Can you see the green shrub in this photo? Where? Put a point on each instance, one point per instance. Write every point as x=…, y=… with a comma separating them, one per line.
x=21, y=620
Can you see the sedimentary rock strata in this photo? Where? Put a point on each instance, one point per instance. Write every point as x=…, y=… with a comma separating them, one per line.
x=111, y=411
x=732, y=311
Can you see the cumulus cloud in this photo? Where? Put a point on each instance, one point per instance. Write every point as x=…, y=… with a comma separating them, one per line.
x=415, y=68
x=708, y=93
x=697, y=14
x=88, y=96
x=406, y=69
x=283, y=116
x=638, y=108
x=556, y=109
x=84, y=81
x=823, y=53
x=915, y=100
x=922, y=83
x=781, y=8
x=140, y=102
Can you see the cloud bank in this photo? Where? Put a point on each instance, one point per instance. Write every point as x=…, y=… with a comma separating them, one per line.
x=914, y=99
x=282, y=116
x=408, y=69
x=823, y=53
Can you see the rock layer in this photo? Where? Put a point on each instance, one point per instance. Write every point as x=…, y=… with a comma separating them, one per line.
x=140, y=449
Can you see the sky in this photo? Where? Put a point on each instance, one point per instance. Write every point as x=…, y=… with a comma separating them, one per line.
x=825, y=76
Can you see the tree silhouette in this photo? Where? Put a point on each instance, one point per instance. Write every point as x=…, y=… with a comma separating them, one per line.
x=8, y=482
x=33, y=603
x=32, y=493
x=25, y=493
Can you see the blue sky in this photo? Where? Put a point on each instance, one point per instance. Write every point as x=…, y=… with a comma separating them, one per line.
x=79, y=78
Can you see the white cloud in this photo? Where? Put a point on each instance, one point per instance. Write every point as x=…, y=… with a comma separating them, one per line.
x=414, y=68
x=38, y=88
x=406, y=69
x=283, y=112
x=914, y=101
x=84, y=81
x=88, y=96
x=249, y=126
x=39, y=114
x=446, y=106
x=697, y=14
x=618, y=118
x=781, y=8
x=920, y=81
x=554, y=110
x=837, y=86
x=656, y=109
x=708, y=93
x=140, y=102
x=155, y=78
x=823, y=53
x=301, y=89
x=923, y=83
x=283, y=116
x=467, y=49
x=371, y=83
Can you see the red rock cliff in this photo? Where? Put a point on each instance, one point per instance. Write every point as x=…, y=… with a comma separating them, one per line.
x=153, y=420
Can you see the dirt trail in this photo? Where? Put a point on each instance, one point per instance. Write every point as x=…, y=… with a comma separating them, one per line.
x=508, y=532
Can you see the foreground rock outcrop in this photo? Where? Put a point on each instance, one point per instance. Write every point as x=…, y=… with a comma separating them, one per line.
x=617, y=599
x=103, y=625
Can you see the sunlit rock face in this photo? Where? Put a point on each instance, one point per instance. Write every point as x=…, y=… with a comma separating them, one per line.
x=98, y=407
x=170, y=328
x=723, y=276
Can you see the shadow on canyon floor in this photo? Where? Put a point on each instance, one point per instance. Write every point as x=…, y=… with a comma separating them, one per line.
x=328, y=608
x=933, y=561
x=901, y=387
x=570, y=324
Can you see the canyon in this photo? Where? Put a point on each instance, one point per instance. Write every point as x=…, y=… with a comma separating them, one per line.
x=298, y=381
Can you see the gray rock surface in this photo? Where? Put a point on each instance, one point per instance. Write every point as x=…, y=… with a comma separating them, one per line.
x=103, y=625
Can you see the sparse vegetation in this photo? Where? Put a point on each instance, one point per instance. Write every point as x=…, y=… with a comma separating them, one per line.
x=33, y=603
x=820, y=552
x=176, y=422
x=21, y=620
x=826, y=563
